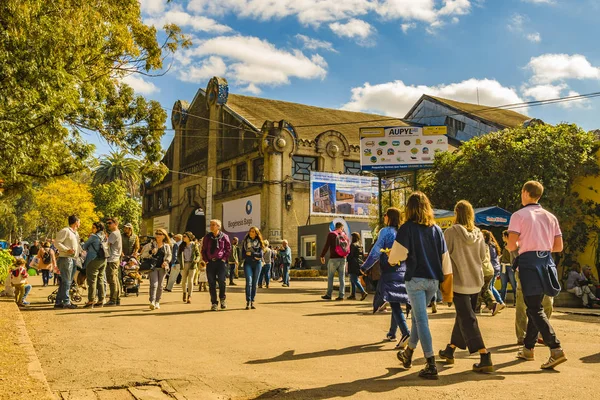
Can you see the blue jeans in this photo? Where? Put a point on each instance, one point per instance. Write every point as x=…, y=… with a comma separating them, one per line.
x=27, y=290
x=45, y=276
x=420, y=292
x=286, y=274
x=251, y=271
x=508, y=276
x=494, y=291
x=265, y=274
x=66, y=266
x=355, y=282
x=398, y=320
x=339, y=265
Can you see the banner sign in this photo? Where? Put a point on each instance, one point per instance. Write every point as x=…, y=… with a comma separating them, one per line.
x=337, y=195
x=161, y=222
x=401, y=147
x=241, y=214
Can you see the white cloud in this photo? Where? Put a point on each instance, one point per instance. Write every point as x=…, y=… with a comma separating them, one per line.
x=253, y=62
x=544, y=92
x=407, y=26
x=354, y=29
x=540, y=1
x=549, y=68
x=183, y=19
x=534, y=37
x=152, y=7
x=315, y=44
x=139, y=85
x=396, y=98
x=455, y=7
x=206, y=69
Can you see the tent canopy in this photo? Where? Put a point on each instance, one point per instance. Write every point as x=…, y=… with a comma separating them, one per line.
x=486, y=216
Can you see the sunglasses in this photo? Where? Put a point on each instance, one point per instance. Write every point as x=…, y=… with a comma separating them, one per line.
x=159, y=234
x=109, y=223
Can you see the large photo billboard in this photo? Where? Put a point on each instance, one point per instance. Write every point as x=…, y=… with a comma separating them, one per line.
x=401, y=147
x=342, y=195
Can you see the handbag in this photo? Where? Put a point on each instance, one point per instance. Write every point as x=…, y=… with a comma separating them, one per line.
x=148, y=264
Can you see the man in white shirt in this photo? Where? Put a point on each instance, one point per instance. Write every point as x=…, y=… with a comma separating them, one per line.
x=69, y=248
x=112, y=263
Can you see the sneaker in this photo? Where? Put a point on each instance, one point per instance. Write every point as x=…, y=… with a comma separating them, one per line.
x=252, y=306
x=247, y=305
x=339, y=299
x=285, y=285
x=214, y=307
x=70, y=306
x=152, y=306
x=118, y=302
x=351, y=298
x=59, y=306
x=326, y=297
x=88, y=305
x=497, y=308
x=405, y=356
x=167, y=290
x=260, y=286
x=525, y=354
x=99, y=304
x=232, y=284
x=157, y=306
x=223, y=305
x=390, y=337
x=25, y=303
x=111, y=303
x=433, y=307
x=364, y=296
x=403, y=342
x=557, y=356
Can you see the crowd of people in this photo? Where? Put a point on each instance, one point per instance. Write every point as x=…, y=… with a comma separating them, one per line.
x=419, y=265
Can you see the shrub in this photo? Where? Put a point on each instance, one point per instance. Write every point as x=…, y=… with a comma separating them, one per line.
x=6, y=262
x=304, y=273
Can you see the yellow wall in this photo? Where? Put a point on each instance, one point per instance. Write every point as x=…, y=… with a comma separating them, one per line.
x=585, y=193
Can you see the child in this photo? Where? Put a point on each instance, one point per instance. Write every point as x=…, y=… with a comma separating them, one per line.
x=18, y=279
x=202, y=277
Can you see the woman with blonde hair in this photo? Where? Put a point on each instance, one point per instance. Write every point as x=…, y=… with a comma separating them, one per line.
x=158, y=251
x=468, y=252
x=252, y=252
x=421, y=244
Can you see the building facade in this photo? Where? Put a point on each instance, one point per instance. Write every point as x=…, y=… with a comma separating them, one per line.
x=231, y=152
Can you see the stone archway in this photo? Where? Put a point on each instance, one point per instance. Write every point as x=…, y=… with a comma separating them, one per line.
x=196, y=223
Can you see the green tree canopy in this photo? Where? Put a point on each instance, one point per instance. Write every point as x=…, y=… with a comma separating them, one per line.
x=117, y=166
x=62, y=64
x=112, y=200
x=490, y=171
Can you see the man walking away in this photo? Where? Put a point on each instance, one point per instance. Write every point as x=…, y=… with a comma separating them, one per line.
x=286, y=260
x=536, y=234
x=175, y=264
x=338, y=246
x=67, y=243
x=113, y=262
x=233, y=261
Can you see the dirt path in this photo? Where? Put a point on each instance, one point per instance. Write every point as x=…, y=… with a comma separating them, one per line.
x=294, y=346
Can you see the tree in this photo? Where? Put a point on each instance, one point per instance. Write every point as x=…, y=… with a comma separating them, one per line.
x=490, y=170
x=56, y=201
x=111, y=200
x=63, y=62
x=117, y=166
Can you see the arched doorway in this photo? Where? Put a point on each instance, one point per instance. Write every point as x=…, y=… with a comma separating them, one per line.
x=196, y=223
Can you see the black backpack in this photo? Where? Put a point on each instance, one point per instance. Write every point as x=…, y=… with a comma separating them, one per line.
x=103, y=250
x=47, y=257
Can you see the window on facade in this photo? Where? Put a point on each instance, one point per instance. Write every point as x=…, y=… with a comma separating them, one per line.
x=309, y=247
x=352, y=167
x=190, y=194
x=301, y=167
x=454, y=125
x=241, y=175
x=225, y=177
x=258, y=169
x=149, y=202
x=168, y=198
x=159, y=200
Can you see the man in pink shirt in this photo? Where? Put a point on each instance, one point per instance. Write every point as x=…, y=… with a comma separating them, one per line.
x=535, y=233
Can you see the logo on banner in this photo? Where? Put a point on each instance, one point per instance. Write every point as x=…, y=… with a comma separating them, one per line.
x=248, y=207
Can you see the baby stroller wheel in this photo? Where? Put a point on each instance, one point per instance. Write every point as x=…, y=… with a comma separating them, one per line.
x=76, y=298
x=51, y=299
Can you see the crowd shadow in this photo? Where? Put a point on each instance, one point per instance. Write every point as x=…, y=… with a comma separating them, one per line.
x=591, y=359
x=291, y=355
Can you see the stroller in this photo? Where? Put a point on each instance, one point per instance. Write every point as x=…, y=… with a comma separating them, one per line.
x=131, y=277
x=74, y=294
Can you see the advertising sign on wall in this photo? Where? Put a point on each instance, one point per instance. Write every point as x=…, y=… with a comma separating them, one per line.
x=241, y=214
x=401, y=147
x=342, y=195
x=161, y=222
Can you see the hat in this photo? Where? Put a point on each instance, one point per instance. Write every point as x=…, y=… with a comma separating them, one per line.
x=128, y=225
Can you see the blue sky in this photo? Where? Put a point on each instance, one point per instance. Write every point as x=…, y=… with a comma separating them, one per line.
x=381, y=55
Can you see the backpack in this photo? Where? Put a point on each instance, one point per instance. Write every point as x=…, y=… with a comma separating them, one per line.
x=103, y=250
x=47, y=257
x=342, y=245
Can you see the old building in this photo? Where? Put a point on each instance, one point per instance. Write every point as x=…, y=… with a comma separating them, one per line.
x=247, y=161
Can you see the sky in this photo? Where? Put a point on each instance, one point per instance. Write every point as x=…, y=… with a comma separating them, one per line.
x=380, y=56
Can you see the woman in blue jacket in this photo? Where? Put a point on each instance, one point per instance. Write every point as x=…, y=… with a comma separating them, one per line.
x=252, y=252
x=95, y=265
x=391, y=287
